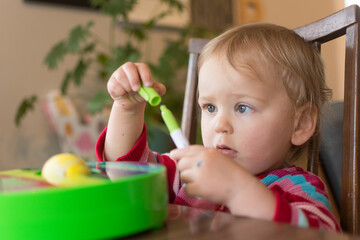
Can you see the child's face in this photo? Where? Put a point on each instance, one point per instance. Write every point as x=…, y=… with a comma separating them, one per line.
x=246, y=113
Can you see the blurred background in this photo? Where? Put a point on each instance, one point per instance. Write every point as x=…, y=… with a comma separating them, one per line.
x=31, y=29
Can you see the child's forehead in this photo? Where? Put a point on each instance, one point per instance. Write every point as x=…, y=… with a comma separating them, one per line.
x=249, y=61
x=218, y=70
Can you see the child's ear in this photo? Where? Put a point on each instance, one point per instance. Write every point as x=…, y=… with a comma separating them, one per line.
x=304, y=124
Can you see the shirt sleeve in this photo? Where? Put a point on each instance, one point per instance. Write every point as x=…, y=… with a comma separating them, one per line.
x=302, y=200
x=141, y=153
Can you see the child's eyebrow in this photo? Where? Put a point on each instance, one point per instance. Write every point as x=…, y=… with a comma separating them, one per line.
x=234, y=95
x=256, y=98
x=205, y=98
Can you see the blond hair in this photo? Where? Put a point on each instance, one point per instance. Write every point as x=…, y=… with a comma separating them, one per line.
x=294, y=60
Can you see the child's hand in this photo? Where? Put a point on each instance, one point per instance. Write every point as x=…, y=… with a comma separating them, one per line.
x=126, y=81
x=208, y=173
x=214, y=176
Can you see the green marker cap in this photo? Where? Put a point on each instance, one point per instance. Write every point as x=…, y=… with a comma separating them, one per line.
x=169, y=119
x=150, y=95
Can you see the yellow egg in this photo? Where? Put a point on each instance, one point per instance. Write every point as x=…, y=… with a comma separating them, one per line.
x=63, y=168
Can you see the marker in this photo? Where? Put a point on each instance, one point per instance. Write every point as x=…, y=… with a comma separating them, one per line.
x=175, y=131
x=151, y=96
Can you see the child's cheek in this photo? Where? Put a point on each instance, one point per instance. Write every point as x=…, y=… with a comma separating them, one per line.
x=206, y=134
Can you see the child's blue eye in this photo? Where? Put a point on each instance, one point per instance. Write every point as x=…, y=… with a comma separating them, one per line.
x=241, y=108
x=210, y=108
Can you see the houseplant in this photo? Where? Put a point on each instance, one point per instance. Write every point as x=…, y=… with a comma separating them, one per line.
x=105, y=56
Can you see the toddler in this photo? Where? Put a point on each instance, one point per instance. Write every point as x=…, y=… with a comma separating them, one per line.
x=261, y=90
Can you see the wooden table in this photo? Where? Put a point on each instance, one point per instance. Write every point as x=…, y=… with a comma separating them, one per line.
x=190, y=223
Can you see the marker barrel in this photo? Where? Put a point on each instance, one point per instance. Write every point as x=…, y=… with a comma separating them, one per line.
x=179, y=139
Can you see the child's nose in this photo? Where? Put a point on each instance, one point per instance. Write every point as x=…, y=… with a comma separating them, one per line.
x=223, y=125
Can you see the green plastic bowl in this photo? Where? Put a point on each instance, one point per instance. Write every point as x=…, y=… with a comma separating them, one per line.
x=121, y=199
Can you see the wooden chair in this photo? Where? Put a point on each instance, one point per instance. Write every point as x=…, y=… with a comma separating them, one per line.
x=344, y=22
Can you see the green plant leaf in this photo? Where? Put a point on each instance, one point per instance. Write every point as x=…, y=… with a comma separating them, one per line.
x=65, y=82
x=88, y=48
x=153, y=21
x=174, y=4
x=137, y=31
x=77, y=35
x=79, y=71
x=104, y=75
x=102, y=58
x=99, y=101
x=24, y=107
x=115, y=7
x=89, y=24
x=55, y=55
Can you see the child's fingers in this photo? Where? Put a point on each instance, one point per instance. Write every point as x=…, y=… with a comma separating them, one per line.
x=177, y=153
x=159, y=88
x=114, y=88
x=145, y=74
x=127, y=80
x=119, y=79
x=132, y=73
x=192, y=189
x=187, y=176
x=188, y=157
x=185, y=163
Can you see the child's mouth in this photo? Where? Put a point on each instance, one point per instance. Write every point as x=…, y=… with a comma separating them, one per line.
x=226, y=150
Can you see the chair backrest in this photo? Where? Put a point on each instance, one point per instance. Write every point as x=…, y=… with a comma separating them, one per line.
x=344, y=22
x=331, y=147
